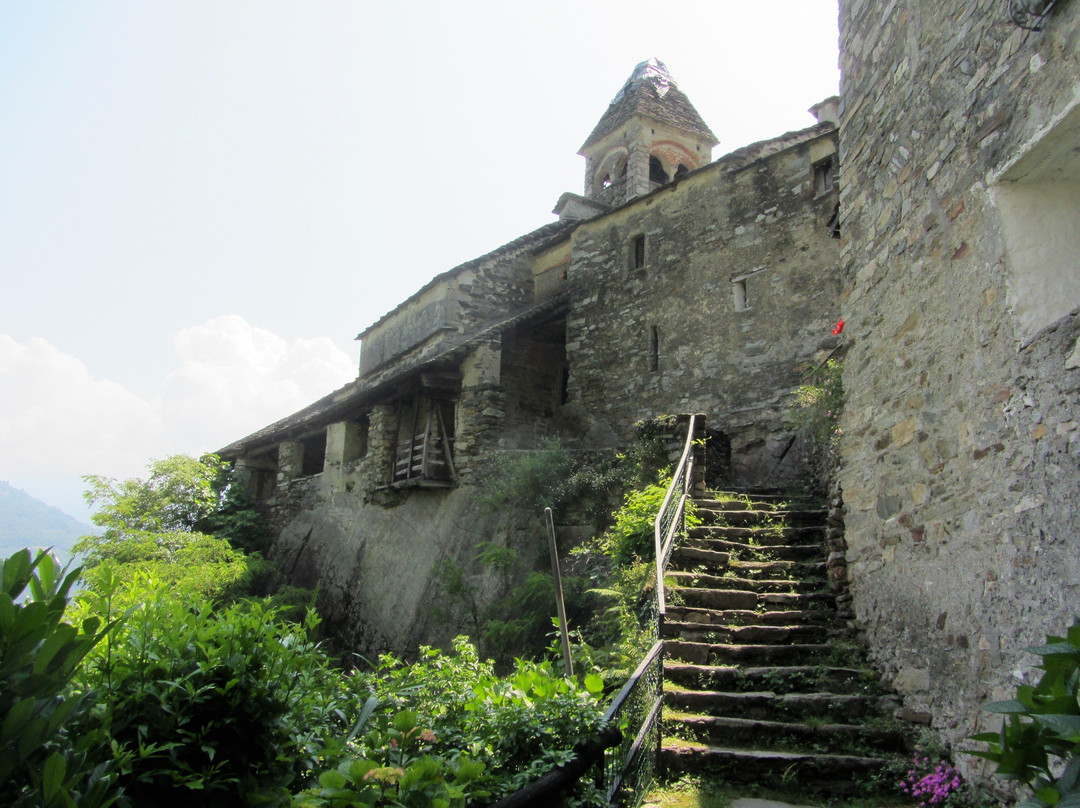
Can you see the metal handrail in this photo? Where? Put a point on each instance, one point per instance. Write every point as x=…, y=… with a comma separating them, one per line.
x=681, y=478
x=635, y=693
x=646, y=705
x=636, y=710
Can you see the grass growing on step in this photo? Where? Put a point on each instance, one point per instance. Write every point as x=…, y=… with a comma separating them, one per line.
x=693, y=791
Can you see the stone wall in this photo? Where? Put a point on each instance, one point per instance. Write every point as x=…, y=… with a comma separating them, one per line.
x=383, y=569
x=666, y=336
x=481, y=292
x=533, y=365
x=960, y=447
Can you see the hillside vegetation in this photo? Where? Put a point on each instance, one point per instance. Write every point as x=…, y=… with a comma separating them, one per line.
x=174, y=678
x=29, y=522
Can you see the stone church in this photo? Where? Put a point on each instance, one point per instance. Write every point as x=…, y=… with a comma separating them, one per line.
x=679, y=283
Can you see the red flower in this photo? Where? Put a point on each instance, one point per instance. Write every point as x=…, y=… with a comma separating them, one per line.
x=839, y=327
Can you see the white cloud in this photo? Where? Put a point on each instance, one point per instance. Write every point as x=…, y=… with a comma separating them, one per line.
x=235, y=378
x=55, y=417
x=232, y=378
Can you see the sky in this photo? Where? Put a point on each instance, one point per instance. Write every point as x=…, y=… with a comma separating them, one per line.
x=202, y=202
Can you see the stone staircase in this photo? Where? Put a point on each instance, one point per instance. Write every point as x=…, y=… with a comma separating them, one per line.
x=764, y=682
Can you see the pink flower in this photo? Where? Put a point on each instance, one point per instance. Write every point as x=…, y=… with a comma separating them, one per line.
x=839, y=327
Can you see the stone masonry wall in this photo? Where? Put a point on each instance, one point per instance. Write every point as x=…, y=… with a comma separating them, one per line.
x=667, y=338
x=960, y=448
x=482, y=293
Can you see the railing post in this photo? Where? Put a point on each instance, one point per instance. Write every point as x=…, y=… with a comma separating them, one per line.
x=559, y=603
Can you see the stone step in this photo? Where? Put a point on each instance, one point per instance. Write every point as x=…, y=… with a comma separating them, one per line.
x=753, y=516
x=811, y=590
x=706, y=653
x=680, y=613
x=787, y=678
x=745, y=635
x=797, y=770
x=690, y=557
x=759, y=535
x=721, y=599
x=766, y=705
x=777, y=569
x=784, y=552
x=788, y=735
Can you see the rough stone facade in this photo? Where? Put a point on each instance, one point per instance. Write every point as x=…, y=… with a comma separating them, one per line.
x=734, y=301
x=960, y=449
x=712, y=287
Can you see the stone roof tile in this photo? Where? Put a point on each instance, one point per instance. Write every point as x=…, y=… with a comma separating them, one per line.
x=650, y=91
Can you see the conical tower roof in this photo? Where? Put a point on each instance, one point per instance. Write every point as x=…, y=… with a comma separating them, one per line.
x=651, y=92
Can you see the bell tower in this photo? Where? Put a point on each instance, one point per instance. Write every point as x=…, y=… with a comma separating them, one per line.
x=650, y=135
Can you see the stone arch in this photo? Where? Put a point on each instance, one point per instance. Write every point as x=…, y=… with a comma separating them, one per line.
x=657, y=172
x=611, y=170
x=674, y=158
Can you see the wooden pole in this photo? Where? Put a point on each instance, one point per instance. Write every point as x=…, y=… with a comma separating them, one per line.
x=560, y=606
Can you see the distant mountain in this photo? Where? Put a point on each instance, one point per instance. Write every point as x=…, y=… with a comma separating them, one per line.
x=29, y=522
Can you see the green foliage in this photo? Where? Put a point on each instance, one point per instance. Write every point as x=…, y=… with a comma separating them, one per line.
x=553, y=477
x=620, y=633
x=179, y=492
x=397, y=769
x=527, y=612
x=234, y=517
x=1039, y=741
x=216, y=707
x=527, y=480
x=155, y=527
x=191, y=563
x=453, y=710
x=44, y=761
x=631, y=538
x=818, y=404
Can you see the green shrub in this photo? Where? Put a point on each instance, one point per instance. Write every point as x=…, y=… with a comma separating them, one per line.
x=819, y=403
x=397, y=768
x=234, y=517
x=528, y=480
x=453, y=710
x=1039, y=741
x=527, y=612
x=46, y=760
x=631, y=537
x=188, y=563
x=217, y=707
x=160, y=527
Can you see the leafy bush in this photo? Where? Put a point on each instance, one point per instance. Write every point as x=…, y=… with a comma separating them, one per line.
x=818, y=404
x=397, y=769
x=44, y=760
x=190, y=563
x=453, y=710
x=528, y=610
x=156, y=527
x=1039, y=742
x=631, y=538
x=178, y=493
x=235, y=517
x=217, y=707
x=527, y=480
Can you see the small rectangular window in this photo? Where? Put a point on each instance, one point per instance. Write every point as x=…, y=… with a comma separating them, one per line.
x=637, y=252
x=824, y=176
x=654, y=349
x=739, y=287
x=314, y=454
